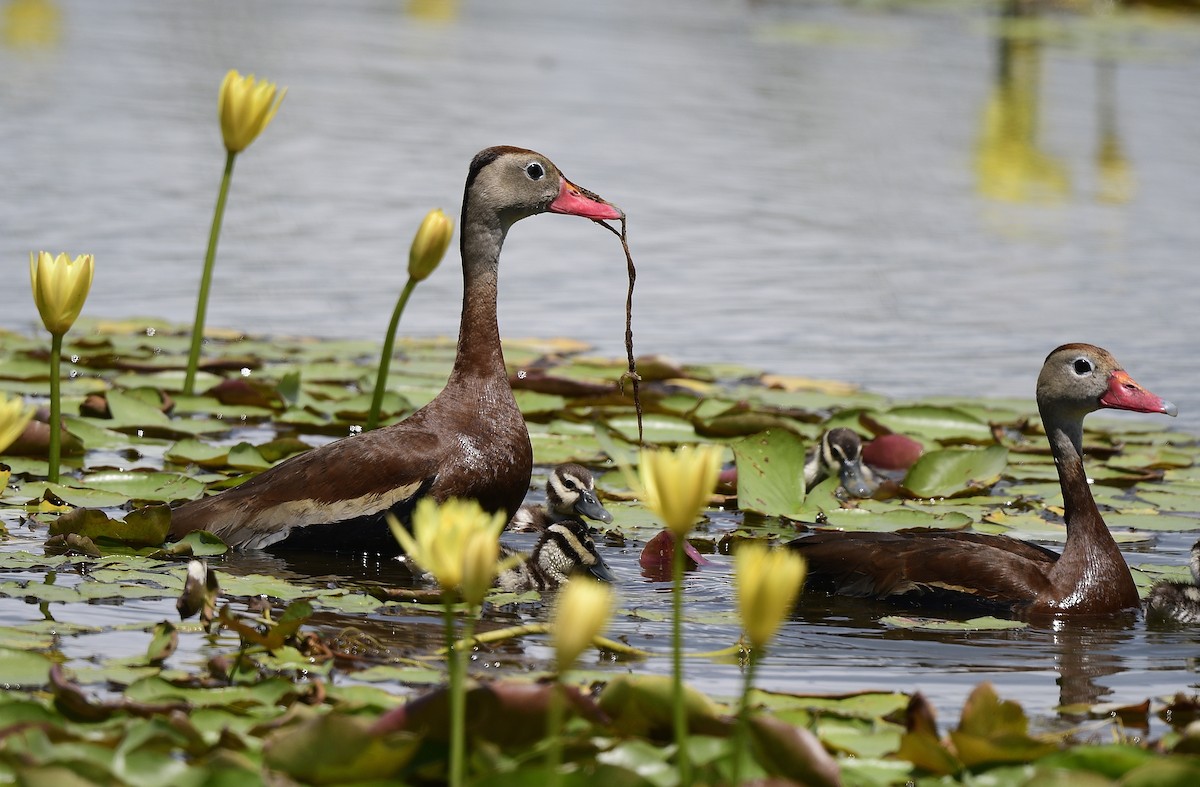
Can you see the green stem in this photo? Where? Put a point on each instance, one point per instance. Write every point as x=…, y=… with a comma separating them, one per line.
x=385, y=360
x=743, y=720
x=681, y=732
x=189, y=382
x=555, y=731
x=458, y=698
x=55, y=405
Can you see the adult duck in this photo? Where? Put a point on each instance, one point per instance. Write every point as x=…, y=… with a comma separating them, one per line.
x=994, y=572
x=1177, y=602
x=570, y=495
x=564, y=549
x=469, y=442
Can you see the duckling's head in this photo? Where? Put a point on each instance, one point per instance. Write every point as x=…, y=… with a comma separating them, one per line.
x=841, y=454
x=567, y=548
x=571, y=492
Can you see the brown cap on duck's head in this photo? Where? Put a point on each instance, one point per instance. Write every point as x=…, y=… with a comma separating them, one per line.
x=517, y=183
x=1082, y=378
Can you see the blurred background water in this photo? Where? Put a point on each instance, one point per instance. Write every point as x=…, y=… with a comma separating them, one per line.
x=919, y=198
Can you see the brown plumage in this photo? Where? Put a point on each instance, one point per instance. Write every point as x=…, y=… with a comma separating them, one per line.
x=995, y=572
x=469, y=442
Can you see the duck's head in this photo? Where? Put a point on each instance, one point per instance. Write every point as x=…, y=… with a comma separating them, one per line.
x=571, y=492
x=566, y=548
x=1077, y=379
x=841, y=455
x=513, y=183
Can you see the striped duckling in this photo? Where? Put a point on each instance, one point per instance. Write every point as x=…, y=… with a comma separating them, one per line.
x=564, y=549
x=1177, y=602
x=839, y=454
x=570, y=496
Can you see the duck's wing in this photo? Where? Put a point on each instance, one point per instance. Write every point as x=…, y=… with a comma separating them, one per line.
x=927, y=569
x=356, y=477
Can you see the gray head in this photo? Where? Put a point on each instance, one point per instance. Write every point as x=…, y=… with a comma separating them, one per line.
x=567, y=548
x=571, y=493
x=511, y=183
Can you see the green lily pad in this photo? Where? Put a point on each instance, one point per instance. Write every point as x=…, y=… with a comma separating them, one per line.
x=20, y=668
x=944, y=424
x=771, y=473
x=158, y=486
x=142, y=527
x=956, y=471
x=895, y=519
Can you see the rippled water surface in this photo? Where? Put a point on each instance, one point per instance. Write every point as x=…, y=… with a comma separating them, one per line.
x=895, y=197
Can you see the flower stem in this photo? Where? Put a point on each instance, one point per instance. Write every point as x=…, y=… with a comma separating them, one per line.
x=680, y=712
x=55, y=405
x=189, y=381
x=386, y=358
x=743, y=720
x=458, y=696
x=555, y=731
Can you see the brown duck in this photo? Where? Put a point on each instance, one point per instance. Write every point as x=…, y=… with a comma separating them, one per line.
x=469, y=442
x=994, y=572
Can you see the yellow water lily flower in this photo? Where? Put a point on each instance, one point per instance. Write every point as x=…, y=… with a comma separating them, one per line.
x=768, y=583
x=582, y=613
x=481, y=556
x=14, y=415
x=246, y=106
x=60, y=286
x=429, y=244
x=443, y=542
x=677, y=485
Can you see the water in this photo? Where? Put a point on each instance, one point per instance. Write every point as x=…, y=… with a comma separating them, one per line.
x=807, y=187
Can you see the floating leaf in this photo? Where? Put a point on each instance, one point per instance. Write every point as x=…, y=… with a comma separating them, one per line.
x=143, y=527
x=934, y=624
x=771, y=473
x=944, y=424
x=956, y=471
x=20, y=668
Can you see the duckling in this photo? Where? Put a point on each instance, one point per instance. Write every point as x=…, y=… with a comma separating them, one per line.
x=1177, y=602
x=839, y=453
x=570, y=495
x=565, y=548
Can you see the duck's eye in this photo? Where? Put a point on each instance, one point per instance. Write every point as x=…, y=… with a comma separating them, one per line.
x=535, y=171
x=1083, y=366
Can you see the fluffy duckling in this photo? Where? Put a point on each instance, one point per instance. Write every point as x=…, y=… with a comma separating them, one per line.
x=565, y=548
x=1177, y=602
x=570, y=495
x=839, y=454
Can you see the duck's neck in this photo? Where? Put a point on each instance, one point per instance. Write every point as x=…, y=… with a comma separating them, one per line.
x=1090, y=549
x=479, y=351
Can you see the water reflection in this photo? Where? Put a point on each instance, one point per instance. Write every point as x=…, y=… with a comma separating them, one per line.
x=31, y=24
x=1010, y=165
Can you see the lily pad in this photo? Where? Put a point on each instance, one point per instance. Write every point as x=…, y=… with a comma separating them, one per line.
x=956, y=471
x=21, y=668
x=934, y=624
x=771, y=473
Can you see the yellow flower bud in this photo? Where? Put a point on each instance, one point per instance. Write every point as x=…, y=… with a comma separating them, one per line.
x=481, y=555
x=429, y=244
x=60, y=286
x=246, y=107
x=441, y=536
x=581, y=614
x=768, y=583
x=14, y=415
x=677, y=485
